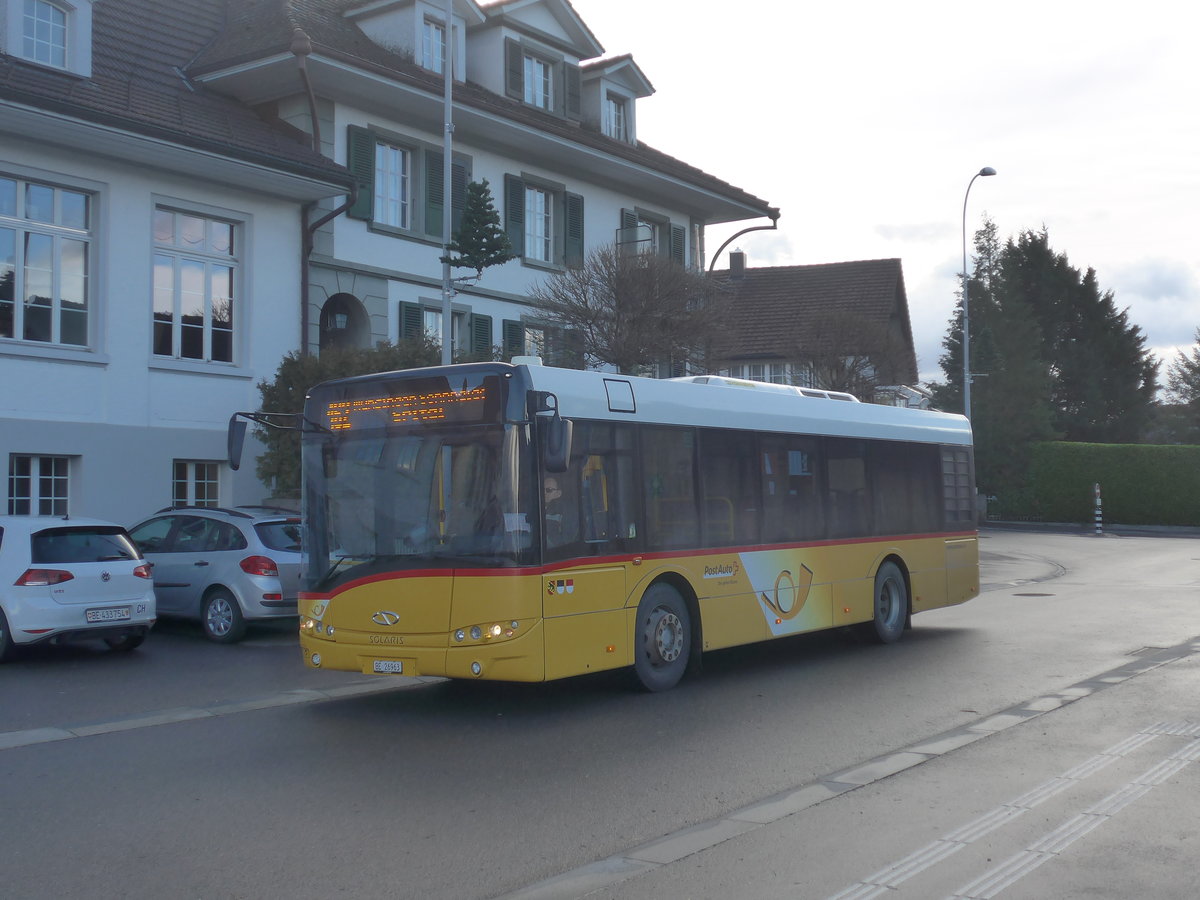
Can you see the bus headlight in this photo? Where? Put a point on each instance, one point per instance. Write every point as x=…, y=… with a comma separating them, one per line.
x=476, y=669
x=460, y=636
x=476, y=632
x=316, y=660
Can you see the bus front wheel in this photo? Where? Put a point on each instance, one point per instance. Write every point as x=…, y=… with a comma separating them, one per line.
x=663, y=638
x=891, y=604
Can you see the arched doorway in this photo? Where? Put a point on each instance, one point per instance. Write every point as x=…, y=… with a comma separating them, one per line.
x=343, y=323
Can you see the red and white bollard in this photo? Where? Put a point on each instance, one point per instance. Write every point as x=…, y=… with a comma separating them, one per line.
x=1099, y=513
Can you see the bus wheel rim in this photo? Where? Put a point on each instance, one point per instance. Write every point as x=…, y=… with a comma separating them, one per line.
x=666, y=635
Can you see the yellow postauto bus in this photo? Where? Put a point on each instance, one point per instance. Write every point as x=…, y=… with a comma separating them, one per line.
x=525, y=523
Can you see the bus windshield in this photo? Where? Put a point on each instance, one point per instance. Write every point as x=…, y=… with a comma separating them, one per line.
x=413, y=475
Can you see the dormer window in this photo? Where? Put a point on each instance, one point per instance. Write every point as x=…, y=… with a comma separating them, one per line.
x=538, y=78
x=433, y=45
x=616, y=116
x=44, y=35
x=54, y=33
x=539, y=90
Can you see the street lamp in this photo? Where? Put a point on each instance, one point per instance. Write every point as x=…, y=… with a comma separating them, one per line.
x=966, y=330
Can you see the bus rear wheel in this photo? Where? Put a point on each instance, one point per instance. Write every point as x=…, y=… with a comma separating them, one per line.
x=662, y=638
x=891, y=604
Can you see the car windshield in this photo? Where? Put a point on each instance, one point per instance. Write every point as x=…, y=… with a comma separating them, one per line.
x=397, y=499
x=81, y=544
x=286, y=534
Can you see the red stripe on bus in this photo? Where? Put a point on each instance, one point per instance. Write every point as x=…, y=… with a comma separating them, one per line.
x=525, y=571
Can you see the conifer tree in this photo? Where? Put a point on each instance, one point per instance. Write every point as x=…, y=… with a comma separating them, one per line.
x=480, y=241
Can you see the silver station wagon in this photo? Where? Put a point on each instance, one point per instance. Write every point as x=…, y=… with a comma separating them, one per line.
x=225, y=567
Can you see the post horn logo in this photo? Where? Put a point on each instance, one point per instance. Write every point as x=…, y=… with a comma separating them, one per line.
x=790, y=593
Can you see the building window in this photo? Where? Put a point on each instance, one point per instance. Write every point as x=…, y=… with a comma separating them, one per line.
x=616, y=116
x=420, y=321
x=433, y=46
x=539, y=224
x=195, y=483
x=539, y=79
x=38, y=485
x=45, y=248
x=44, y=36
x=393, y=192
x=195, y=278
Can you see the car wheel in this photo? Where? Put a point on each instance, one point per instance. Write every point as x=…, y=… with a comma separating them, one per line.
x=6, y=640
x=662, y=638
x=125, y=642
x=222, y=618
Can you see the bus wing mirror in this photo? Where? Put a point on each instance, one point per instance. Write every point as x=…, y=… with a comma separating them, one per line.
x=234, y=440
x=557, y=450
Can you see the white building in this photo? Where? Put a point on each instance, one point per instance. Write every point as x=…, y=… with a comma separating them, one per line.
x=168, y=233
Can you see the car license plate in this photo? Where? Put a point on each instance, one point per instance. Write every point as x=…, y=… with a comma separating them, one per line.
x=108, y=614
x=388, y=666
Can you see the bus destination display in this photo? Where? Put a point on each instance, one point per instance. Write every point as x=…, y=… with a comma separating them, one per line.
x=428, y=407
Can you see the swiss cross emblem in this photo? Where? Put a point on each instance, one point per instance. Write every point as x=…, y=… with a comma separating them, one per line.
x=560, y=586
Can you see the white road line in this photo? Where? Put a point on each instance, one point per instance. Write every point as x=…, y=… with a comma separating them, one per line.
x=1052, y=845
x=930, y=855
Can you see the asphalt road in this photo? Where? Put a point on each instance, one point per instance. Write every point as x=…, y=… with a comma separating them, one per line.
x=803, y=768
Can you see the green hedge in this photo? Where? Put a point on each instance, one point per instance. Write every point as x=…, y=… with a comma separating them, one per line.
x=1140, y=484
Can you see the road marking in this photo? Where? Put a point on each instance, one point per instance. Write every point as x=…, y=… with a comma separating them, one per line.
x=1055, y=842
x=673, y=847
x=12, y=739
x=1005, y=874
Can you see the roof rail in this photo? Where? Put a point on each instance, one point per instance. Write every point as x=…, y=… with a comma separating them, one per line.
x=727, y=381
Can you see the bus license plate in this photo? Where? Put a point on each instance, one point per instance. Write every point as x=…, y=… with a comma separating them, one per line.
x=109, y=614
x=388, y=666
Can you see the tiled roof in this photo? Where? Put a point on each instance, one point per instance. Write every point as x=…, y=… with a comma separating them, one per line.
x=776, y=306
x=139, y=53
x=260, y=28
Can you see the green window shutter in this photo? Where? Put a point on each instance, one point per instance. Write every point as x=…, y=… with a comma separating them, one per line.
x=678, y=243
x=514, y=213
x=514, y=338
x=412, y=321
x=434, y=193
x=572, y=91
x=573, y=232
x=514, y=69
x=360, y=160
x=458, y=195
x=480, y=327
x=572, y=349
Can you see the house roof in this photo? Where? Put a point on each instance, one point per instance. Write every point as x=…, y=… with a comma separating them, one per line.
x=260, y=29
x=140, y=51
x=776, y=306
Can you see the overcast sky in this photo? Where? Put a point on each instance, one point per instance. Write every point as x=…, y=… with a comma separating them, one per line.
x=863, y=122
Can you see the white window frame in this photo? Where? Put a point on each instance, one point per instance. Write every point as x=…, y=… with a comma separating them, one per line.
x=616, y=116
x=179, y=255
x=48, y=485
x=539, y=223
x=393, y=185
x=44, y=33
x=195, y=482
x=76, y=35
x=431, y=324
x=538, y=81
x=62, y=223
x=433, y=45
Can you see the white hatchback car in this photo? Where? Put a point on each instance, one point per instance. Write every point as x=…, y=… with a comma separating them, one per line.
x=67, y=579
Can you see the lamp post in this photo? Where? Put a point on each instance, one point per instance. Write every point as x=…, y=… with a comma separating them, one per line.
x=966, y=329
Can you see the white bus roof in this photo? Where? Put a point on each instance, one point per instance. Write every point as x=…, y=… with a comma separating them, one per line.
x=719, y=402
